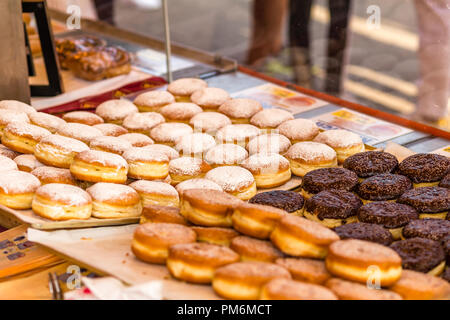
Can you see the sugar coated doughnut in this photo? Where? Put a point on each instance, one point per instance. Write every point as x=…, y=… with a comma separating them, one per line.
x=307, y=156
x=345, y=143
x=298, y=130
x=239, y=134
x=269, y=170
x=195, y=144
x=137, y=139
x=183, y=88
x=226, y=154
x=50, y=122
x=209, y=122
x=186, y=168
x=17, y=105
x=180, y=111
x=240, y=110
x=197, y=183
x=270, y=119
x=83, y=117
x=269, y=143
x=48, y=175
x=235, y=180
x=171, y=153
x=210, y=98
x=153, y=101
x=156, y=193
x=146, y=164
x=17, y=189
x=6, y=152
x=110, y=144
x=8, y=116
x=23, y=137
x=111, y=129
x=79, y=131
x=6, y=164
x=169, y=133
x=114, y=111
x=142, y=122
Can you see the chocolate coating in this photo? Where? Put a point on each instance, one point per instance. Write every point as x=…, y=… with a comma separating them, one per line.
x=329, y=178
x=433, y=229
x=425, y=167
x=445, y=182
x=427, y=199
x=390, y=215
x=446, y=274
x=365, y=231
x=286, y=200
x=386, y=186
x=446, y=245
x=370, y=163
x=333, y=204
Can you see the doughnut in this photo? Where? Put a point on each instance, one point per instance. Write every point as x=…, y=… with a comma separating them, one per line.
x=365, y=231
x=299, y=130
x=146, y=164
x=269, y=119
x=186, y=168
x=197, y=184
x=305, y=270
x=153, y=101
x=422, y=255
x=332, y=208
x=99, y=166
x=307, y=156
x=79, y=131
x=215, y=235
x=114, y=111
x=269, y=170
x=234, y=180
x=347, y=290
x=151, y=241
x=156, y=193
x=383, y=187
x=112, y=201
x=59, y=202
x=300, y=237
x=269, y=143
x=6, y=152
x=239, y=134
x=419, y=286
x=425, y=169
x=390, y=215
x=180, y=112
x=446, y=274
x=111, y=129
x=354, y=260
x=6, y=164
x=48, y=175
x=328, y=178
x=183, y=88
x=48, y=121
x=195, y=144
x=445, y=182
x=137, y=139
x=284, y=289
x=162, y=214
x=209, y=122
x=142, y=122
x=208, y=208
x=430, y=202
x=210, y=99
x=345, y=143
x=24, y=162
x=17, y=105
x=58, y=151
x=433, y=229
x=23, y=137
x=225, y=155
x=371, y=163
x=197, y=262
x=245, y=280
x=250, y=249
x=240, y=110
x=8, y=116
x=289, y=201
x=17, y=189
x=84, y=117
x=256, y=220
x=171, y=153
x=169, y=133
x=110, y=144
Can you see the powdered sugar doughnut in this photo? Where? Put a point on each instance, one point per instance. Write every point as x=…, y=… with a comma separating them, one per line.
x=171, y=153
x=298, y=130
x=269, y=170
x=307, y=156
x=270, y=119
x=84, y=117
x=6, y=164
x=180, y=111
x=6, y=152
x=234, y=180
x=198, y=183
x=110, y=144
x=209, y=122
x=345, y=143
x=50, y=122
x=22, y=137
x=185, y=168
x=182, y=89
x=226, y=154
x=239, y=134
x=210, y=98
x=146, y=164
x=169, y=133
x=137, y=139
x=156, y=193
x=79, y=131
x=17, y=105
x=26, y=162
x=195, y=144
x=8, y=116
x=48, y=175
x=240, y=110
x=114, y=111
x=269, y=143
x=111, y=129
x=153, y=101
x=142, y=122
x=17, y=189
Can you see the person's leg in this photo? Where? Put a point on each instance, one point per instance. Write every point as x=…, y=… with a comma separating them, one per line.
x=105, y=10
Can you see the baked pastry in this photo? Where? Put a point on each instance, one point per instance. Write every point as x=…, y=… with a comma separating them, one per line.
x=305, y=270
x=269, y=119
x=111, y=129
x=183, y=88
x=17, y=189
x=162, y=214
x=59, y=202
x=24, y=162
x=114, y=111
x=137, y=140
x=22, y=137
x=269, y=143
x=239, y=134
x=245, y=280
x=332, y=208
x=156, y=193
x=365, y=231
x=430, y=202
x=113, y=201
x=48, y=121
x=83, y=117
x=210, y=99
x=169, y=133
x=145, y=164
x=425, y=169
x=240, y=110
x=142, y=122
x=180, y=111
x=186, y=168
x=307, y=156
x=58, y=151
x=6, y=164
x=383, y=187
x=269, y=170
x=445, y=182
x=300, y=237
x=99, y=166
x=226, y=155
x=234, y=180
x=110, y=144
x=197, y=262
x=347, y=290
x=419, y=286
x=299, y=130
x=79, y=131
x=289, y=201
x=6, y=152
x=371, y=163
x=8, y=116
x=215, y=235
x=17, y=105
x=67, y=48
x=364, y=262
x=284, y=289
x=250, y=249
x=197, y=183
x=171, y=153
x=151, y=241
x=195, y=144
x=153, y=101
x=209, y=122
x=326, y=179
x=345, y=143
x=433, y=229
x=48, y=175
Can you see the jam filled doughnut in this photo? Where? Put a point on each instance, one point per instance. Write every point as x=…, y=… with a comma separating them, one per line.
x=269, y=119
x=445, y=182
x=6, y=152
x=430, y=202
x=84, y=117
x=269, y=143
x=182, y=89
x=210, y=99
x=332, y=208
x=50, y=122
x=300, y=237
x=215, y=235
x=299, y=130
x=151, y=241
x=162, y=214
x=284, y=289
x=425, y=169
x=195, y=144
x=245, y=280
x=234, y=180
x=307, y=156
x=240, y=110
x=433, y=229
x=226, y=155
x=169, y=133
x=305, y=270
x=197, y=184
x=328, y=178
x=171, y=153
x=23, y=137
x=8, y=116
x=197, y=262
x=6, y=164
x=347, y=290
x=383, y=187
x=17, y=105
x=112, y=201
x=80, y=132
x=59, y=202
x=345, y=143
x=371, y=163
x=99, y=166
x=142, y=122
x=17, y=189
x=180, y=112
x=111, y=129
x=156, y=193
x=110, y=144
x=186, y=168
x=239, y=134
x=145, y=164
x=289, y=201
x=269, y=170
x=209, y=122
x=58, y=151
x=250, y=249
x=153, y=101
x=365, y=231
x=48, y=175
x=419, y=286
x=137, y=140
x=114, y=111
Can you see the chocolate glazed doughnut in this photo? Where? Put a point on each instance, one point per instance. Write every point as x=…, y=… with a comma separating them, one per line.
x=371, y=163
x=328, y=178
x=383, y=187
x=288, y=201
x=430, y=202
x=425, y=169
